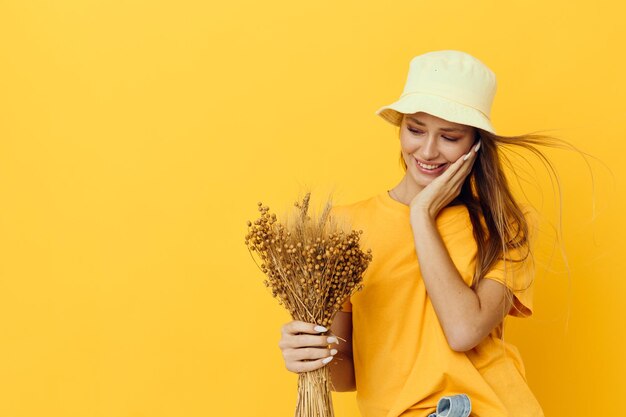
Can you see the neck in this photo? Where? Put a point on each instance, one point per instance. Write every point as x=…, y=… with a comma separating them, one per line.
x=405, y=191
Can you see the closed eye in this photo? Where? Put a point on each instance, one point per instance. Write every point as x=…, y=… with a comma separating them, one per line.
x=419, y=132
x=450, y=139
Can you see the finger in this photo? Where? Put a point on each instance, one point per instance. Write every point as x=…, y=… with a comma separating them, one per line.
x=466, y=161
x=308, y=366
x=449, y=173
x=473, y=152
x=466, y=165
x=296, y=327
x=467, y=156
x=459, y=170
x=473, y=155
x=308, y=354
x=460, y=162
x=305, y=340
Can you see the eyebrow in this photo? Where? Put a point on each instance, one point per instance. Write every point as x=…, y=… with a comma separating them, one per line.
x=445, y=129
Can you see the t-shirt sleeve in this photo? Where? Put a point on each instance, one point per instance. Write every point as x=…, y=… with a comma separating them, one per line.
x=518, y=271
x=346, y=307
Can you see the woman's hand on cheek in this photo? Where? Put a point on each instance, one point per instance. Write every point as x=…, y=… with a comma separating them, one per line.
x=445, y=188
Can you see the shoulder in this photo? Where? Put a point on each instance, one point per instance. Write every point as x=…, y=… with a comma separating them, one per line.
x=354, y=208
x=367, y=214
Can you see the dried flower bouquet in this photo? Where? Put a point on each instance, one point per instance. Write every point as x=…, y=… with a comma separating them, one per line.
x=312, y=264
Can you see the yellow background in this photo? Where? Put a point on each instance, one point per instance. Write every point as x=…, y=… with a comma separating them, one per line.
x=136, y=138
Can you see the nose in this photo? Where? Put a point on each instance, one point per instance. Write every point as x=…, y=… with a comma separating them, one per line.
x=428, y=150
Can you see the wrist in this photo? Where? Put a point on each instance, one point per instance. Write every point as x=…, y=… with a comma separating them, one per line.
x=421, y=215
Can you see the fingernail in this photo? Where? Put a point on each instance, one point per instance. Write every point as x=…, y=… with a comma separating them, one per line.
x=466, y=157
x=332, y=339
x=320, y=329
x=328, y=359
x=477, y=146
x=333, y=351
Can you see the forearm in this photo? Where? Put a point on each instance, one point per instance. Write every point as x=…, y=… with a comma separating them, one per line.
x=342, y=372
x=456, y=304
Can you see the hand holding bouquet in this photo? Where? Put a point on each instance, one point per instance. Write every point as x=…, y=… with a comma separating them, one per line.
x=312, y=266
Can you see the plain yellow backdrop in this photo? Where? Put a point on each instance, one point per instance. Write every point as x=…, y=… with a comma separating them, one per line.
x=136, y=138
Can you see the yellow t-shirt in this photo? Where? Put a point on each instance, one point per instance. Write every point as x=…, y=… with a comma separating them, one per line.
x=403, y=363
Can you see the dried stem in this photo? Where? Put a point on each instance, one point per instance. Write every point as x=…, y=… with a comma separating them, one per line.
x=312, y=265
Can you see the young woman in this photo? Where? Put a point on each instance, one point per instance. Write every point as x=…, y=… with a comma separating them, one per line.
x=451, y=259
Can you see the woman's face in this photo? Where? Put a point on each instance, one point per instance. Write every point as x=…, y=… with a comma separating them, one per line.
x=430, y=145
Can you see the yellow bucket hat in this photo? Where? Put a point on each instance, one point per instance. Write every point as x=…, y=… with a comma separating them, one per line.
x=452, y=85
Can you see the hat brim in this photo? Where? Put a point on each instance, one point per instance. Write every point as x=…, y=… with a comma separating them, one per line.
x=436, y=106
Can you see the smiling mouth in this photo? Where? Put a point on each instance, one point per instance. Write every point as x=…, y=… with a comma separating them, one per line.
x=429, y=166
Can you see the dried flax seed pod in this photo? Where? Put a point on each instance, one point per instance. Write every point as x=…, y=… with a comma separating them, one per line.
x=312, y=266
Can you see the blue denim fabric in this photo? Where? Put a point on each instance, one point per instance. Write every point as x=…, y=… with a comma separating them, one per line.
x=458, y=405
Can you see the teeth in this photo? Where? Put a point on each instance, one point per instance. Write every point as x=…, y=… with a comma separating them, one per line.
x=428, y=166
